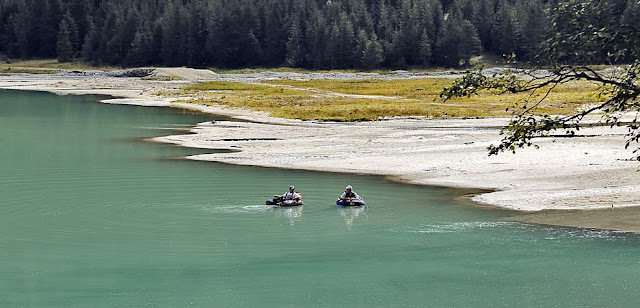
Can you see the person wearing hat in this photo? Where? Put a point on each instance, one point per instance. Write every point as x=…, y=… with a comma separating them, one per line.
x=291, y=194
x=349, y=194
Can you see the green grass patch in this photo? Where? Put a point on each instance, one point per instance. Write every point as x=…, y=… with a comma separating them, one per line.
x=321, y=100
x=242, y=89
x=277, y=70
x=407, y=88
x=225, y=86
x=429, y=89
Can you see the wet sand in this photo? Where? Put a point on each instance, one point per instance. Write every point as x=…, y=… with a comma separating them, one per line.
x=618, y=219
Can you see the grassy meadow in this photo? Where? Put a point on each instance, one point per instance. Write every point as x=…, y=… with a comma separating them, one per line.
x=372, y=99
x=345, y=100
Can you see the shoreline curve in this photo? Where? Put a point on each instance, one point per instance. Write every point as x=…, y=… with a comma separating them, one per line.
x=585, y=175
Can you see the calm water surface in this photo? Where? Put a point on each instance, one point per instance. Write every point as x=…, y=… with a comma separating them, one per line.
x=91, y=217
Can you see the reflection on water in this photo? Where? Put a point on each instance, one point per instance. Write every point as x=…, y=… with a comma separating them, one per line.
x=351, y=213
x=291, y=213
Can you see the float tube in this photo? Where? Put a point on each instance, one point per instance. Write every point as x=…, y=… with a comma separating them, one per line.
x=352, y=202
x=279, y=201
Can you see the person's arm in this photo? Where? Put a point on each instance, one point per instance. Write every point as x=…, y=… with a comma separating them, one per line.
x=343, y=196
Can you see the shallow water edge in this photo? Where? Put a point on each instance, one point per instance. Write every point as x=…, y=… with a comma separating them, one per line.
x=620, y=219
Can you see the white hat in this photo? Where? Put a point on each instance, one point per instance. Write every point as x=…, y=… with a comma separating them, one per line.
x=292, y=187
x=348, y=187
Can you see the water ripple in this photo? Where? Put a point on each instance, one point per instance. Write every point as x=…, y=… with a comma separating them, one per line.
x=548, y=233
x=237, y=209
x=456, y=227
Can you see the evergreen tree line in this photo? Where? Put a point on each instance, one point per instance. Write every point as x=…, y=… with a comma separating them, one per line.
x=316, y=34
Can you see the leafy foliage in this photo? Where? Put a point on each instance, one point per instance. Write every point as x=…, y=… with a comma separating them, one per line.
x=584, y=31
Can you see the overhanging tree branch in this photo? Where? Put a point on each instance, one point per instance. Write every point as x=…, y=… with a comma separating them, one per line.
x=623, y=91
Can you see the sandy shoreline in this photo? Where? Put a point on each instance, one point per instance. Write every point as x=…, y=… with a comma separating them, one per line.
x=564, y=177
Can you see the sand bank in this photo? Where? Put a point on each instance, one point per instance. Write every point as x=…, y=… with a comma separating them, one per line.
x=592, y=171
x=578, y=173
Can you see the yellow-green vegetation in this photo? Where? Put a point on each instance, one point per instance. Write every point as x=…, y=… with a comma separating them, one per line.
x=308, y=71
x=353, y=100
x=227, y=86
x=46, y=66
x=423, y=88
x=276, y=69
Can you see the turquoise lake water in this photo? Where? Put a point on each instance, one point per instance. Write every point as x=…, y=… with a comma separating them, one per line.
x=90, y=216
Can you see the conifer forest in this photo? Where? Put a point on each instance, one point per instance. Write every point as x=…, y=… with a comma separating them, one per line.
x=313, y=34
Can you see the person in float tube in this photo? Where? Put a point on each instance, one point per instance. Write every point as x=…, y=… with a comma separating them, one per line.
x=291, y=194
x=349, y=194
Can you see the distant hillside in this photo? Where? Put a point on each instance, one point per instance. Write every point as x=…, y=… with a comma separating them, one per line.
x=316, y=34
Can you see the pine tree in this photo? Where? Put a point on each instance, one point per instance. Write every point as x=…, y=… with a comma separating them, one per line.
x=74, y=35
x=365, y=20
x=469, y=44
x=438, y=18
x=424, y=51
x=90, y=43
x=333, y=47
x=254, y=50
x=170, y=35
x=483, y=22
x=141, y=53
x=532, y=28
x=384, y=28
x=21, y=27
x=197, y=34
x=346, y=42
x=372, y=55
x=316, y=38
x=48, y=29
x=406, y=42
x=504, y=33
x=361, y=41
x=457, y=42
x=276, y=34
x=395, y=53
x=64, y=48
x=115, y=44
x=426, y=20
x=446, y=49
x=294, y=56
